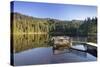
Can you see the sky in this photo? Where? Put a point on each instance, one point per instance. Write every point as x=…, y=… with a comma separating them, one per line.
x=55, y=11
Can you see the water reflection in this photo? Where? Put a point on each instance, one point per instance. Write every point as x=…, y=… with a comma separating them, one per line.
x=45, y=56
x=77, y=49
x=28, y=41
x=38, y=49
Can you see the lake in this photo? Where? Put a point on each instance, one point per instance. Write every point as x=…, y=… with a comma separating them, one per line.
x=31, y=49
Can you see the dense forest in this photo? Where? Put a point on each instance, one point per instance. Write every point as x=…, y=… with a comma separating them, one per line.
x=23, y=24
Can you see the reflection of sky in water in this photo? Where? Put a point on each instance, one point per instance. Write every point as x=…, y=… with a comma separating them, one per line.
x=79, y=47
x=46, y=56
x=35, y=49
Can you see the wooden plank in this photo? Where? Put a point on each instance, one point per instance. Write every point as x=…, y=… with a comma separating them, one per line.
x=88, y=43
x=92, y=44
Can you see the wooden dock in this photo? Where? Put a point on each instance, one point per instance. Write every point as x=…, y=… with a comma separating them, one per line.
x=65, y=42
x=88, y=43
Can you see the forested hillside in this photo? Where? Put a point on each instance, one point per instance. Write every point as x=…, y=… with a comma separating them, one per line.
x=32, y=25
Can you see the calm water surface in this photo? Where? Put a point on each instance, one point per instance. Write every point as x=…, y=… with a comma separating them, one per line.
x=36, y=49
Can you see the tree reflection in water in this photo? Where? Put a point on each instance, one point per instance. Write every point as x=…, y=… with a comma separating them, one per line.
x=24, y=42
